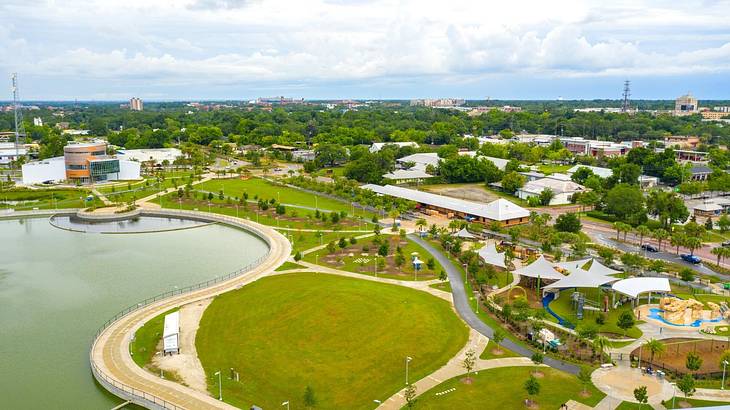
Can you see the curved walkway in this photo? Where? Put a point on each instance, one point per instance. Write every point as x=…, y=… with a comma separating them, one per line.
x=111, y=363
x=464, y=309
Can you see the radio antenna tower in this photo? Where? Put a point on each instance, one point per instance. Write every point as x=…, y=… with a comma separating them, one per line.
x=625, y=107
x=19, y=128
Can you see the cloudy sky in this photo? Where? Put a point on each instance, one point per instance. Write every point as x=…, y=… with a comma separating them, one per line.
x=241, y=49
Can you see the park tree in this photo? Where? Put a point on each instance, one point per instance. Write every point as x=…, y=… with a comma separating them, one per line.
x=342, y=243
x=469, y=361
x=546, y=196
x=298, y=256
x=568, y=222
x=584, y=377
x=383, y=249
x=626, y=202
x=625, y=321
x=600, y=344
x=667, y=206
x=498, y=337
x=310, y=400
x=686, y=385
x=329, y=154
x=513, y=181
x=693, y=362
x=621, y=227
x=687, y=274
x=642, y=231
x=655, y=347
x=641, y=395
x=410, y=395
x=660, y=235
x=331, y=247
x=532, y=387
x=723, y=223
x=581, y=174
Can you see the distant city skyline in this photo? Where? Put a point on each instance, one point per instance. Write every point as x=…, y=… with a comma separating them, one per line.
x=113, y=50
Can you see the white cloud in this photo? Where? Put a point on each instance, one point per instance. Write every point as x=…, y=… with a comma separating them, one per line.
x=204, y=41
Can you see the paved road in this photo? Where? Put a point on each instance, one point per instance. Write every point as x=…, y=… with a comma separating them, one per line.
x=666, y=256
x=466, y=311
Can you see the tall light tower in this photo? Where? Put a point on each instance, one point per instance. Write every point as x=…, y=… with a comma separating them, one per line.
x=19, y=128
x=627, y=93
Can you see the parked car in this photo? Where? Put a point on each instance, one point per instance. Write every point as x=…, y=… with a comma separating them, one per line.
x=726, y=244
x=649, y=248
x=690, y=258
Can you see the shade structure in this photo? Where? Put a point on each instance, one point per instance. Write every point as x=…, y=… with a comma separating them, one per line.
x=540, y=268
x=464, y=234
x=490, y=255
x=599, y=269
x=581, y=278
x=634, y=286
x=570, y=266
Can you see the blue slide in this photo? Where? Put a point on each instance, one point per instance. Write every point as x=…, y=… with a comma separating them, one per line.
x=546, y=304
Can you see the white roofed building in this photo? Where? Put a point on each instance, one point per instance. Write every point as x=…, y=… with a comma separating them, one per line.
x=158, y=155
x=401, y=176
x=562, y=189
x=171, y=333
x=501, y=210
x=377, y=146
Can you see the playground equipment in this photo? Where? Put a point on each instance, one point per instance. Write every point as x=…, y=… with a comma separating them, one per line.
x=549, y=297
x=580, y=303
x=689, y=311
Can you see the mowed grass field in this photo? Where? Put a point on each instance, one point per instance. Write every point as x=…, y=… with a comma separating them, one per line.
x=503, y=388
x=263, y=189
x=346, y=338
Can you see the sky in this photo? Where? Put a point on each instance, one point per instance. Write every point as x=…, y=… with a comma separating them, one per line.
x=380, y=49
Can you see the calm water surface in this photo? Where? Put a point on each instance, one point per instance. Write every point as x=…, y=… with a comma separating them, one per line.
x=57, y=287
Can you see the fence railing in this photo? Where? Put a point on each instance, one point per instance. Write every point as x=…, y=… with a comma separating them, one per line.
x=139, y=396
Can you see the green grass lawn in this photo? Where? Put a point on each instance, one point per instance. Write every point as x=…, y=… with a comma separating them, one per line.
x=346, y=338
x=288, y=266
x=360, y=263
x=27, y=199
x=445, y=286
x=146, y=339
x=488, y=352
x=294, y=218
x=256, y=187
x=553, y=168
x=679, y=399
x=502, y=388
x=563, y=308
x=301, y=241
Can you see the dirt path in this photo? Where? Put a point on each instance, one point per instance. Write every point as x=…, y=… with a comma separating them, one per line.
x=186, y=364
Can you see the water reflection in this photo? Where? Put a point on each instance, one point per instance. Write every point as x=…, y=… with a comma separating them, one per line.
x=132, y=225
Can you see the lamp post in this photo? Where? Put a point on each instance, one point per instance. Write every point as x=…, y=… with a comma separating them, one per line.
x=408, y=360
x=220, y=386
x=724, y=365
x=674, y=394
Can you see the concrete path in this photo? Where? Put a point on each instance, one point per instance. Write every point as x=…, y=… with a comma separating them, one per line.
x=454, y=368
x=145, y=202
x=110, y=359
x=102, y=197
x=465, y=309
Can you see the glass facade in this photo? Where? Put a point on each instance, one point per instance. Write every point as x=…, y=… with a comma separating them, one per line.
x=100, y=169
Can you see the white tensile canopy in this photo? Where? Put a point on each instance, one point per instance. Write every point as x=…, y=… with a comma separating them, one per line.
x=634, y=286
x=581, y=278
x=598, y=269
x=541, y=268
x=464, y=234
x=490, y=255
x=570, y=266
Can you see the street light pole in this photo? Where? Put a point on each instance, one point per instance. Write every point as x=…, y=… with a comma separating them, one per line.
x=724, y=365
x=220, y=386
x=408, y=360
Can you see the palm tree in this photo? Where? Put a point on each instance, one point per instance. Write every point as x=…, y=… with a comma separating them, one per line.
x=421, y=223
x=643, y=231
x=677, y=239
x=721, y=253
x=660, y=235
x=601, y=343
x=618, y=227
x=454, y=225
x=655, y=347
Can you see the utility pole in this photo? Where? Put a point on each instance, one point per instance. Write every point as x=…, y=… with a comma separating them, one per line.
x=625, y=107
x=18, y=114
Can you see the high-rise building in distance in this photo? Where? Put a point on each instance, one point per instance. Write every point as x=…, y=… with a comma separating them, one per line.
x=136, y=104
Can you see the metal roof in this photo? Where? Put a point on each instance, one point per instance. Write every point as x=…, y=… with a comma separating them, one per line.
x=499, y=210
